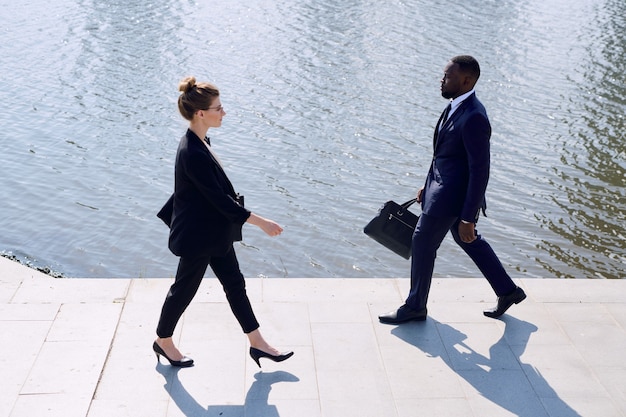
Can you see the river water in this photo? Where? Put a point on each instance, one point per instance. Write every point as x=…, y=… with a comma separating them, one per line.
x=330, y=111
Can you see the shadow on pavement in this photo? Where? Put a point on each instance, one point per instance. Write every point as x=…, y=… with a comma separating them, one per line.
x=256, y=403
x=495, y=377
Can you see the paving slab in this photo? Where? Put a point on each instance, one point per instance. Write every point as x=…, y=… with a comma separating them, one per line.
x=82, y=347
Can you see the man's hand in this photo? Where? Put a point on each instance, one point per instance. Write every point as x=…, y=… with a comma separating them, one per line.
x=419, y=195
x=467, y=232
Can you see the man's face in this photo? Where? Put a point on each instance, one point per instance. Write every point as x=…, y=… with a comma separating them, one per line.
x=453, y=82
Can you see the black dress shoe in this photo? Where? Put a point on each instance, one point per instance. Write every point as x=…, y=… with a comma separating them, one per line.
x=402, y=315
x=506, y=301
x=185, y=362
x=257, y=354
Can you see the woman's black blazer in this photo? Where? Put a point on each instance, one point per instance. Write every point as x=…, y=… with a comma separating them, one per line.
x=203, y=214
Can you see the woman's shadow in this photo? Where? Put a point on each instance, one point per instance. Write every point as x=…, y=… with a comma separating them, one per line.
x=494, y=377
x=256, y=402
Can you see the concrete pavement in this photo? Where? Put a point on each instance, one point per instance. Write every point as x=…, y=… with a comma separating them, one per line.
x=82, y=348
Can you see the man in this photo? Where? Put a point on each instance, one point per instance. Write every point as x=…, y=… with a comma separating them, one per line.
x=453, y=195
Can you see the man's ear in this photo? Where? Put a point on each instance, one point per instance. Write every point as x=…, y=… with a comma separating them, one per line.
x=469, y=81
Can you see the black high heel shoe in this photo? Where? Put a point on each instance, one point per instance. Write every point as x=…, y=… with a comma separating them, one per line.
x=184, y=363
x=257, y=354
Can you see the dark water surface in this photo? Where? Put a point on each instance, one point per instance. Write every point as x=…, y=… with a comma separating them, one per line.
x=331, y=107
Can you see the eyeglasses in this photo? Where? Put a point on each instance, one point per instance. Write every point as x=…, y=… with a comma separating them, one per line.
x=219, y=108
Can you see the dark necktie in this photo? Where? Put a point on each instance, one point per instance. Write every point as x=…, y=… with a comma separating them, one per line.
x=444, y=116
x=442, y=121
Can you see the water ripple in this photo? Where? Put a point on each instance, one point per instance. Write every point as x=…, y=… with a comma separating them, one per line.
x=330, y=110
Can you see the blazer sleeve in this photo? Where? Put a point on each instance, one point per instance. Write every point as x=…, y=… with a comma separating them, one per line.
x=476, y=134
x=166, y=211
x=209, y=179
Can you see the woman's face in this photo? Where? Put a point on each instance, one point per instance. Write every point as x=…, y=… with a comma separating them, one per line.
x=212, y=116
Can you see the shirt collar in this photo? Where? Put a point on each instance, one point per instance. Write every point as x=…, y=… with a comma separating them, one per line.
x=454, y=104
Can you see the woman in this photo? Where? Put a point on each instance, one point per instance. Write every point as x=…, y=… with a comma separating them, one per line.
x=205, y=217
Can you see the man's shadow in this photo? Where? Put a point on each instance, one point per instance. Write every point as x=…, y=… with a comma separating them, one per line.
x=518, y=394
x=256, y=402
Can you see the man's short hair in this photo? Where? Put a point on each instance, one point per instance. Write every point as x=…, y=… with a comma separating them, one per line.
x=467, y=64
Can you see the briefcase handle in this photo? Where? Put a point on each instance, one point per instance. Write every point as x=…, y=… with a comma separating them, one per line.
x=408, y=203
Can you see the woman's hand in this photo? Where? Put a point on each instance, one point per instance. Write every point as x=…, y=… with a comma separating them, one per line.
x=270, y=227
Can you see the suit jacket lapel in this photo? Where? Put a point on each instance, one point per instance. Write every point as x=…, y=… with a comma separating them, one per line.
x=204, y=148
x=221, y=169
x=436, y=134
x=457, y=113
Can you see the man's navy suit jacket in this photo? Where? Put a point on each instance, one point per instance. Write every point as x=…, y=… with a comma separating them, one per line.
x=203, y=214
x=458, y=176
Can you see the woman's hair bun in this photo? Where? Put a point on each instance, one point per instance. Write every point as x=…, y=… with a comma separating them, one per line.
x=195, y=96
x=187, y=84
